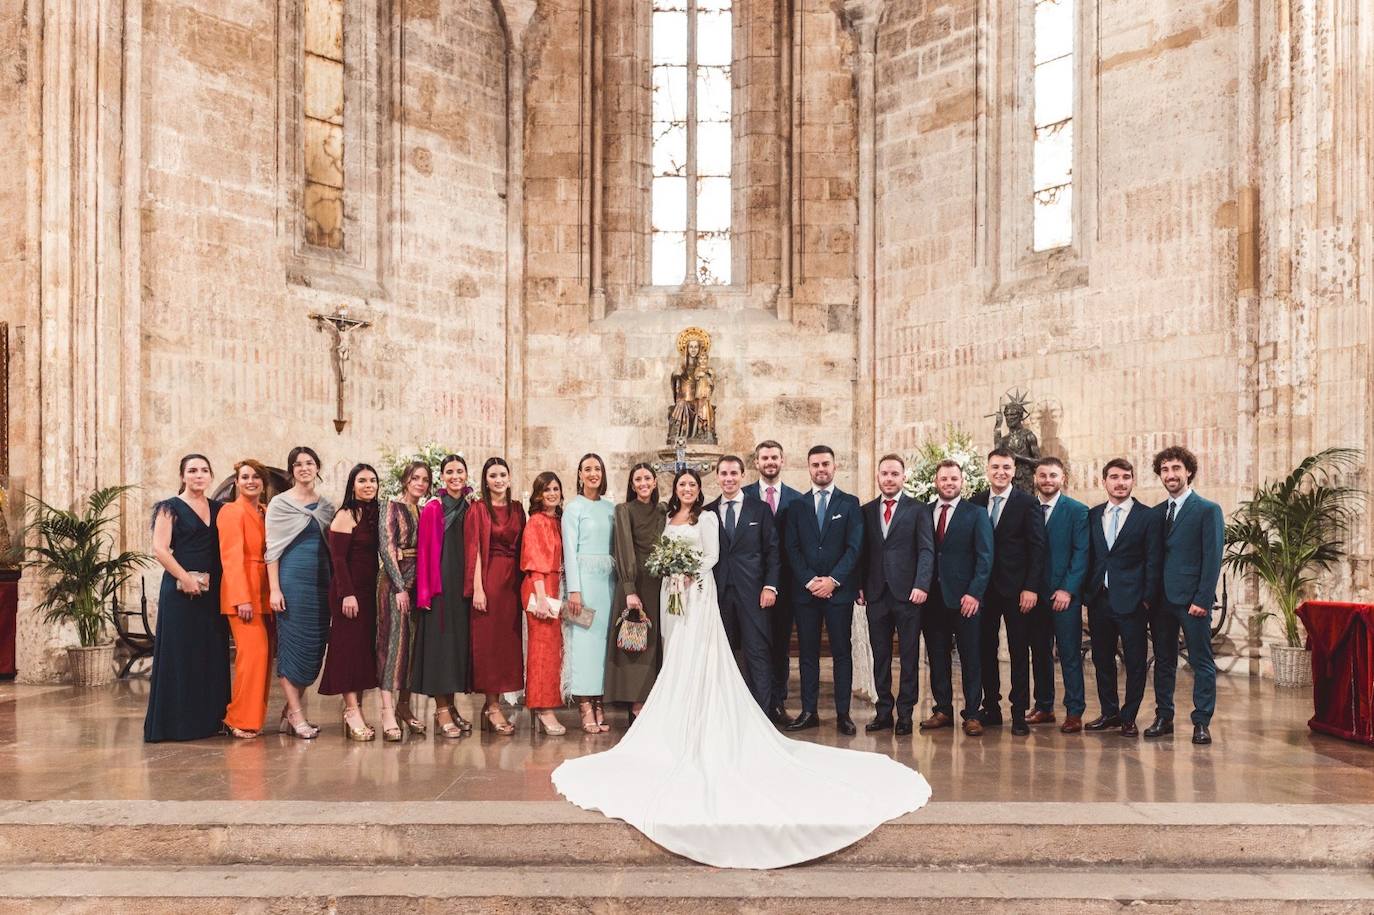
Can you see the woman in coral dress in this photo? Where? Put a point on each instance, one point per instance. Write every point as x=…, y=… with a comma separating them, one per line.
x=243, y=598
x=541, y=559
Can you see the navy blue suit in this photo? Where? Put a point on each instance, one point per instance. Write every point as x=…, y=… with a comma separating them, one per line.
x=1018, y=564
x=1067, y=547
x=963, y=565
x=1122, y=586
x=893, y=565
x=780, y=642
x=824, y=544
x=749, y=562
x=1189, y=573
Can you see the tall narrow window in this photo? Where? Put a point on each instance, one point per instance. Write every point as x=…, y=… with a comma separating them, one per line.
x=1052, y=179
x=690, y=207
x=323, y=128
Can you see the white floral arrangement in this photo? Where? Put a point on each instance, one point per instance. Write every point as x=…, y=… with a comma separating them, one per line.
x=957, y=446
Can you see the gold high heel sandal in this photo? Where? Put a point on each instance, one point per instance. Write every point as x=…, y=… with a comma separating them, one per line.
x=391, y=735
x=450, y=730
x=302, y=729
x=600, y=714
x=459, y=720
x=489, y=723
x=362, y=734
x=588, y=717
x=413, y=724
x=239, y=733
x=553, y=730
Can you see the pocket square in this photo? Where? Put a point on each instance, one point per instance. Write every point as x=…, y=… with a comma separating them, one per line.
x=836, y=517
x=753, y=524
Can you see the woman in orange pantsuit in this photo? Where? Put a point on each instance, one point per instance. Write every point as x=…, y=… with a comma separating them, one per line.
x=541, y=559
x=243, y=597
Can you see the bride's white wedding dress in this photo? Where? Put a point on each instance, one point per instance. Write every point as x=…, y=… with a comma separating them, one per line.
x=704, y=773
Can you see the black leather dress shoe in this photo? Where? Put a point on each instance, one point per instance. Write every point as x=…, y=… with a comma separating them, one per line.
x=845, y=725
x=1161, y=728
x=991, y=717
x=1201, y=736
x=1102, y=722
x=903, y=727
x=804, y=722
x=879, y=724
x=1019, y=727
x=778, y=715
x=1128, y=729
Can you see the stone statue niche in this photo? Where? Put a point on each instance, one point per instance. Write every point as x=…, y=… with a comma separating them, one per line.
x=692, y=417
x=1016, y=438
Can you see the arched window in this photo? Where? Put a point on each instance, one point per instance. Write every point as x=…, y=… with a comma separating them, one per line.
x=1053, y=146
x=691, y=158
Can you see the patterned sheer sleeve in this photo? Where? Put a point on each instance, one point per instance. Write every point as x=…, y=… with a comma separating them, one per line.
x=389, y=534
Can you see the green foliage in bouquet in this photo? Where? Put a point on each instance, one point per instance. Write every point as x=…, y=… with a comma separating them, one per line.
x=674, y=560
x=395, y=461
x=957, y=446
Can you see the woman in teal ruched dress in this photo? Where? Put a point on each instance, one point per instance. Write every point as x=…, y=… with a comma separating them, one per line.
x=590, y=573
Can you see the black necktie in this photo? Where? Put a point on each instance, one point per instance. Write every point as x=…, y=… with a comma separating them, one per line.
x=730, y=517
x=1169, y=517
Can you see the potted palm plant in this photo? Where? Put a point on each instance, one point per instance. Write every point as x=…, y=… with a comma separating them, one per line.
x=73, y=553
x=1288, y=533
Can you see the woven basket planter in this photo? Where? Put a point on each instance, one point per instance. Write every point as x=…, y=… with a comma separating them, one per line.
x=1292, y=666
x=91, y=666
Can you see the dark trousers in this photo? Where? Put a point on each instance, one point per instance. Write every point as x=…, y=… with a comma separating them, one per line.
x=1165, y=623
x=888, y=615
x=838, y=618
x=1062, y=628
x=995, y=609
x=747, y=626
x=944, y=627
x=1109, y=629
x=780, y=647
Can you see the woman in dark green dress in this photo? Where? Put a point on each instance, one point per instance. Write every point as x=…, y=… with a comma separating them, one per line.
x=189, y=687
x=441, y=659
x=638, y=525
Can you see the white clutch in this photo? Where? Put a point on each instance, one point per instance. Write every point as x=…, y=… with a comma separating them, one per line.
x=551, y=610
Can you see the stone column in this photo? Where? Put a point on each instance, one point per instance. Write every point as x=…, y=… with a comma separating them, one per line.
x=515, y=15
x=863, y=16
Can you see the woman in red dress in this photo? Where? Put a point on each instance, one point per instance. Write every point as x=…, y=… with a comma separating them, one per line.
x=541, y=559
x=491, y=535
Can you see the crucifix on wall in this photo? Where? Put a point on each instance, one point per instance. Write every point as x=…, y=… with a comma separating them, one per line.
x=340, y=327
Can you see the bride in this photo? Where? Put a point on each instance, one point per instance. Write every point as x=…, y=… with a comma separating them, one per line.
x=703, y=772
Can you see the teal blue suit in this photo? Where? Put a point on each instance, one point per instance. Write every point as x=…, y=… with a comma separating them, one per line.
x=1066, y=567
x=1193, y=544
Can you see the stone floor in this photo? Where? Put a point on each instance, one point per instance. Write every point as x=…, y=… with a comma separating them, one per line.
x=63, y=743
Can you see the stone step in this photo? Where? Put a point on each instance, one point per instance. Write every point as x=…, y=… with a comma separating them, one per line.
x=539, y=833
x=597, y=888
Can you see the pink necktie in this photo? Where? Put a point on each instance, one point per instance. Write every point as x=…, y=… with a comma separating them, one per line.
x=772, y=500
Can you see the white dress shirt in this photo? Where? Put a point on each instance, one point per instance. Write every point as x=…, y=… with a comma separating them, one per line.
x=1107, y=528
x=1004, y=495
x=935, y=510
x=816, y=497
x=1178, y=500
x=1051, y=503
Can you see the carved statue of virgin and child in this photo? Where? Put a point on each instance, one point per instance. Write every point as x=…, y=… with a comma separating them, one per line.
x=692, y=417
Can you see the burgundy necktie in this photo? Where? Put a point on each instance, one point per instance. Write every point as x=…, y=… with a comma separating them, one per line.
x=940, y=528
x=887, y=512
x=772, y=500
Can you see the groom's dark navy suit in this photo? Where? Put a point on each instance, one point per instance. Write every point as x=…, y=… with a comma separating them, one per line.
x=749, y=562
x=824, y=544
x=1122, y=586
x=781, y=640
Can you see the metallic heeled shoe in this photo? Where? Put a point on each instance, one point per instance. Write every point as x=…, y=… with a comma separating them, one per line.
x=304, y=729
x=488, y=724
x=553, y=730
x=413, y=724
x=460, y=720
x=362, y=734
x=451, y=730
x=588, y=713
x=239, y=733
x=600, y=712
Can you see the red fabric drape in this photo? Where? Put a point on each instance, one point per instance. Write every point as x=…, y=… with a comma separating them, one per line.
x=1341, y=637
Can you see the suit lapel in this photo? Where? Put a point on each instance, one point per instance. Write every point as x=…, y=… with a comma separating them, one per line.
x=1184, y=511
x=904, y=505
x=1133, y=519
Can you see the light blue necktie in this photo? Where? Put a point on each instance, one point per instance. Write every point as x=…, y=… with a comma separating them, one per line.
x=1116, y=526
x=997, y=509
x=821, y=504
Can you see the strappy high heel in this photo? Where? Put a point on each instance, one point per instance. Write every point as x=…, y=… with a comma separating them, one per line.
x=600, y=714
x=412, y=723
x=239, y=733
x=459, y=720
x=588, y=712
x=362, y=734
x=489, y=723
x=392, y=734
x=553, y=730
x=302, y=729
x=451, y=730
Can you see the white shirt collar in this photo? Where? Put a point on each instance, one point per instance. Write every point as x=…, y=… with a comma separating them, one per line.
x=828, y=490
x=951, y=503
x=897, y=498
x=1051, y=503
x=736, y=498
x=994, y=494
x=1181, y=498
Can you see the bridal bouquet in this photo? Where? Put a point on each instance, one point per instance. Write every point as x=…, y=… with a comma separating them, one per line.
x=674, y=560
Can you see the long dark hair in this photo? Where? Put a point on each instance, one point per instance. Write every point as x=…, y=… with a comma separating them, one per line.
x=351, y=502
x=578, y=475
x=674, y=503
x=486, y=492
x=630, y=494
x=449, y=459
x=540, y=484
x=181, y=468
x=291, y=463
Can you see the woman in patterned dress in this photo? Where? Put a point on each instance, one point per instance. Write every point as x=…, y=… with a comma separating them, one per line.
x=397, y=538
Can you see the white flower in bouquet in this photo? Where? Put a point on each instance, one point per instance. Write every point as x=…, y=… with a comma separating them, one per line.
x=957, y=446
x=676, y=561
x=394, y=463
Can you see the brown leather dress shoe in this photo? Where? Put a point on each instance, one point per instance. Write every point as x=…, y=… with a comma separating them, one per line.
x=1039, y=717
x=973, y=727
x=937, y=720
x=1072, y=724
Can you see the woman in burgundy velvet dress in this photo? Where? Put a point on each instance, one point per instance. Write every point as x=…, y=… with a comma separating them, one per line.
x=491, y=535
x=350, y=667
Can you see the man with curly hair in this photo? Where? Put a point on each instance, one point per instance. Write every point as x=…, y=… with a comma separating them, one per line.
x=1193, y=537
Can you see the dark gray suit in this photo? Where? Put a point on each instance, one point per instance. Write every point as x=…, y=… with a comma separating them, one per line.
x=892, y=565
x=749, y=562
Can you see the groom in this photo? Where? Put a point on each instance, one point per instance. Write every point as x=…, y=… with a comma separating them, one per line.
x=823, y=536
x=746, y=576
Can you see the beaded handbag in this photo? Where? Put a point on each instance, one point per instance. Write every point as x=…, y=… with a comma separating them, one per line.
x=632, y=635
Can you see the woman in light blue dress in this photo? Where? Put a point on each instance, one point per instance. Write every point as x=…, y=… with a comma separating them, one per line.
x=590, y=572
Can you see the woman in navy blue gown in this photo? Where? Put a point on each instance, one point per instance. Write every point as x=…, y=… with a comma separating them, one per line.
x=190, y=678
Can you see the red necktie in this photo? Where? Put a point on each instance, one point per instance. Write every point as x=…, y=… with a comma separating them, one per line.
x=940, y=528
x=887, y=512
x=772, y=500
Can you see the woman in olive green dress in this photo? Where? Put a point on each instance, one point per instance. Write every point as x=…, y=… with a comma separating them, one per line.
x=638, y=525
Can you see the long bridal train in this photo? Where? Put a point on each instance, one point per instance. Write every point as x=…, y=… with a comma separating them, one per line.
x=703, y=772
